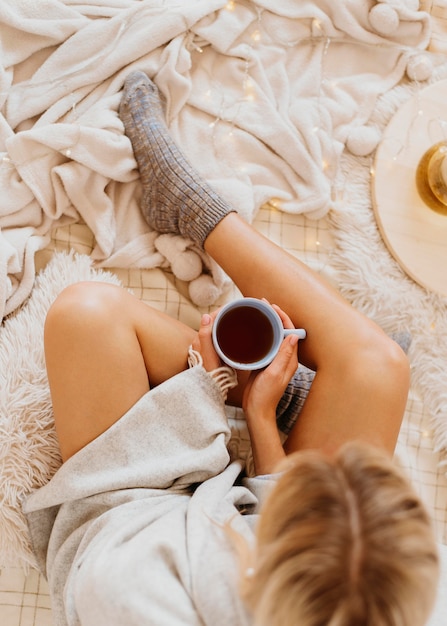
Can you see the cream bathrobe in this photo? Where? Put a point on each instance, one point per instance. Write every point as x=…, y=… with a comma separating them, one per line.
x=130, y=530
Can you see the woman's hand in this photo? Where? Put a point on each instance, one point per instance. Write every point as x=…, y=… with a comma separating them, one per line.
x=203, y=343
x=262, y=393
x=265, y=387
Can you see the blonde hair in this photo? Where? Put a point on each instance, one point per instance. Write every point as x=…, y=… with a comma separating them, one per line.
x=342, y=542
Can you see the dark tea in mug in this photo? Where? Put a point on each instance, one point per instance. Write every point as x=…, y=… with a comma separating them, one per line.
x=245, y=334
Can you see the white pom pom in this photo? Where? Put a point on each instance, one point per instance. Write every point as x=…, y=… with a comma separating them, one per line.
x=363, y=140
x=203, y=291
x=384, y=19
x=419, y=67
x=187, y=265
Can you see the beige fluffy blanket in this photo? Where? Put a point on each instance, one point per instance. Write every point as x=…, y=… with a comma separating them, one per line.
x=262, y=95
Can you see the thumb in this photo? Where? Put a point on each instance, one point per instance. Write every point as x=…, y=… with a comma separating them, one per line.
x=205, y=332
x=210, y=358
x=287, y=357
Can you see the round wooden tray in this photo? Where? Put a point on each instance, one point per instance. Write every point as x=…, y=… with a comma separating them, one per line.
x=415, y=234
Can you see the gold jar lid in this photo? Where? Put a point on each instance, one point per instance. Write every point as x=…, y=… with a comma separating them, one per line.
x=431, y=177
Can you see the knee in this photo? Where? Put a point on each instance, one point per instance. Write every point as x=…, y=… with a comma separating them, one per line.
x=391, y=360
x=384, y=365
x=82, y=305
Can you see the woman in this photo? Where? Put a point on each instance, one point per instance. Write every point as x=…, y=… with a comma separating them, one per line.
x=147, y=521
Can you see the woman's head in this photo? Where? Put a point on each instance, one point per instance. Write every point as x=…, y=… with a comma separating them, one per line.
x=343, y=542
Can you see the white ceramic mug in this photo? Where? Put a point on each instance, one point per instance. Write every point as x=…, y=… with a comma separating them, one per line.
x=247, y=333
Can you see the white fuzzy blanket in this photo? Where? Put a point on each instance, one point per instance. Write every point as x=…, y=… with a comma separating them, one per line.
x=263, y=96
x=29, y=452
x=372, y=280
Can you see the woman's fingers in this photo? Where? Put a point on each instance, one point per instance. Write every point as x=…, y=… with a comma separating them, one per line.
x=265, y=387
x=285, y=363
x=203, y=343
x=285, y=319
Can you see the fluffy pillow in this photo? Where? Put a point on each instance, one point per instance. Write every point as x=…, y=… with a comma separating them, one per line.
x=28, y=447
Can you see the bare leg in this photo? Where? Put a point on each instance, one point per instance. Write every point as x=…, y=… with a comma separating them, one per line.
x=362, y=379
x=361, y=386
x=104, y=349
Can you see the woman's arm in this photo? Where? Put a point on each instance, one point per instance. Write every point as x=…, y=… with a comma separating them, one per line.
x=262, y=391
x=261, y=396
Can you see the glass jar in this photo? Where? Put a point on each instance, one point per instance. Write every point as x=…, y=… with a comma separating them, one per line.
x=431, y=177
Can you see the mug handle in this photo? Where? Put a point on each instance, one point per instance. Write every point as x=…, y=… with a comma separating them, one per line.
x=300, y=332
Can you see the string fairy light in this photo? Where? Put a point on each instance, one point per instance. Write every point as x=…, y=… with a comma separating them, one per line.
x=316, y=28
x=260, y=32
x=249, y=89
x=275, y=203
x=7, y=162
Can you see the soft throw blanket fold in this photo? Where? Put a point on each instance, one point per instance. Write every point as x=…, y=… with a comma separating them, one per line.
x=261, y=95
x=127, y=527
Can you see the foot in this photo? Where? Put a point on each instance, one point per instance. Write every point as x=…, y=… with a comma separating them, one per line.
x=175, y=197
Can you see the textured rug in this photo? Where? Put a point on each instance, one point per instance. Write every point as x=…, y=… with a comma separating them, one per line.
x=372, y=280
x=29, y=453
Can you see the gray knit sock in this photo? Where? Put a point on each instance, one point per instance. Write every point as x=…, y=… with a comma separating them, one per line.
x=175, y=197
x=292, y=401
